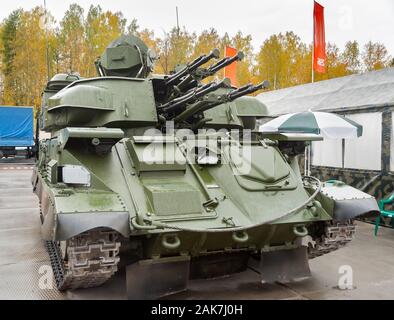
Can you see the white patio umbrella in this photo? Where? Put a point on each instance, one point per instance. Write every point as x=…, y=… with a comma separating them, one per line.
x=329, y=125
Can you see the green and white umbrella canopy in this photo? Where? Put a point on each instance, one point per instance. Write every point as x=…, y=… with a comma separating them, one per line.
x=329, y=125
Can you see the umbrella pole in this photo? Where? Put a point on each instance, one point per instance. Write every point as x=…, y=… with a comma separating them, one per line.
x=306, y=162
x=309, y=159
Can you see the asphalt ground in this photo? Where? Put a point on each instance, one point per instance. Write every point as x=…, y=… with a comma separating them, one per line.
x=25, y=271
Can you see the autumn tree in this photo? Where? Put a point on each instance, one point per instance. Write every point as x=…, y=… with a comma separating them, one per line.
x=101, y=28
x=80, y=37
x=269, y=60
x=351, y=57
x=8, y=35
x=296, y=65
x=207, y=41
x=55, y=50
x=225, y=41
x=375, y=56
x=1, y=65
x=71, y=38
x=284, y=60
x=29, y=61
x=175, y=48
x=133, y=27
x=245, y=70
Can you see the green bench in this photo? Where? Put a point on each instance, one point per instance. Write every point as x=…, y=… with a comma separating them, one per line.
x=384, y=213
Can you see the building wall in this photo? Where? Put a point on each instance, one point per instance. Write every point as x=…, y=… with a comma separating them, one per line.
x=365, y=152
x=351, y=153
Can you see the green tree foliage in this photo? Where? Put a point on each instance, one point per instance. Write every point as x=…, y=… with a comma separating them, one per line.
x=8, y=34
x=1, y=65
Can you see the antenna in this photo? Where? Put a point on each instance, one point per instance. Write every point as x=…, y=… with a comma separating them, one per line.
x=177, y=20
x=46, y=41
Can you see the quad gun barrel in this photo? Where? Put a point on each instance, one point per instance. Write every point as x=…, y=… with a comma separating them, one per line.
x=190, y=68
x=190, y=76
x=188, y=96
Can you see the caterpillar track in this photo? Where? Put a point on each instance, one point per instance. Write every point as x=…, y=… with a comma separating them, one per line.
x=336, y=235
x=86, y=260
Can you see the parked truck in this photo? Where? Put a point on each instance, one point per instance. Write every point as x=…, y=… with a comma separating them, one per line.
x=16, y=132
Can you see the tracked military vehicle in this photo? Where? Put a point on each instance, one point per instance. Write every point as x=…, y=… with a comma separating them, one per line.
x=166, y=174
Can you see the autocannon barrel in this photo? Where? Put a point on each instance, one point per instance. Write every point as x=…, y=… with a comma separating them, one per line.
x=248, y=89
x=191, y=80
x=183, y=99
x=224, y=63
x=187, y=98
x=193, y=96
x=211, y=102
x=173, y=79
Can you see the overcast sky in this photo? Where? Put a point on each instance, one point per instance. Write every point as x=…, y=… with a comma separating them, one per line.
x=361, y=20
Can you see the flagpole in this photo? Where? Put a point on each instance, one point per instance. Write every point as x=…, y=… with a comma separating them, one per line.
x=307, y=163
x=313, y=43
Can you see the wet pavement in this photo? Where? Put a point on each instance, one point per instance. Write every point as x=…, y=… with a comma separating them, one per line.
x=25, y=271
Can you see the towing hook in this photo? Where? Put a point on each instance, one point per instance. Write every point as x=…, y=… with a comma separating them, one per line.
x=240, y=236
x=300, y=230
x=170, y=241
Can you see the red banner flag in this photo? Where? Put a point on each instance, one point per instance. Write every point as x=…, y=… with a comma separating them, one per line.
x=231, y=70
x=319, y=43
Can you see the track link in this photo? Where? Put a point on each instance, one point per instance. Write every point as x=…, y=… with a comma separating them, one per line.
x=336, y=235
x=89, y=260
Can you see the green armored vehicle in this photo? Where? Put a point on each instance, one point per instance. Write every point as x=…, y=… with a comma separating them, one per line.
x=165, y=175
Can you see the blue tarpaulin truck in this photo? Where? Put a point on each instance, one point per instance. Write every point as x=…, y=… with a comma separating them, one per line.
x=16, y=131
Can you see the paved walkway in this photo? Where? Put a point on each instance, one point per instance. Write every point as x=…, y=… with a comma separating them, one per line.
x=23, y=257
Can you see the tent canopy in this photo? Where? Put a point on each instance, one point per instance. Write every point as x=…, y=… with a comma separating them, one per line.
x=365, y=90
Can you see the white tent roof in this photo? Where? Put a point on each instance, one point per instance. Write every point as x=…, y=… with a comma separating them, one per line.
x=365, y=90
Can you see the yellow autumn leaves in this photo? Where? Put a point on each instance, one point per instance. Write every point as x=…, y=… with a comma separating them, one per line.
x=32, y=42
